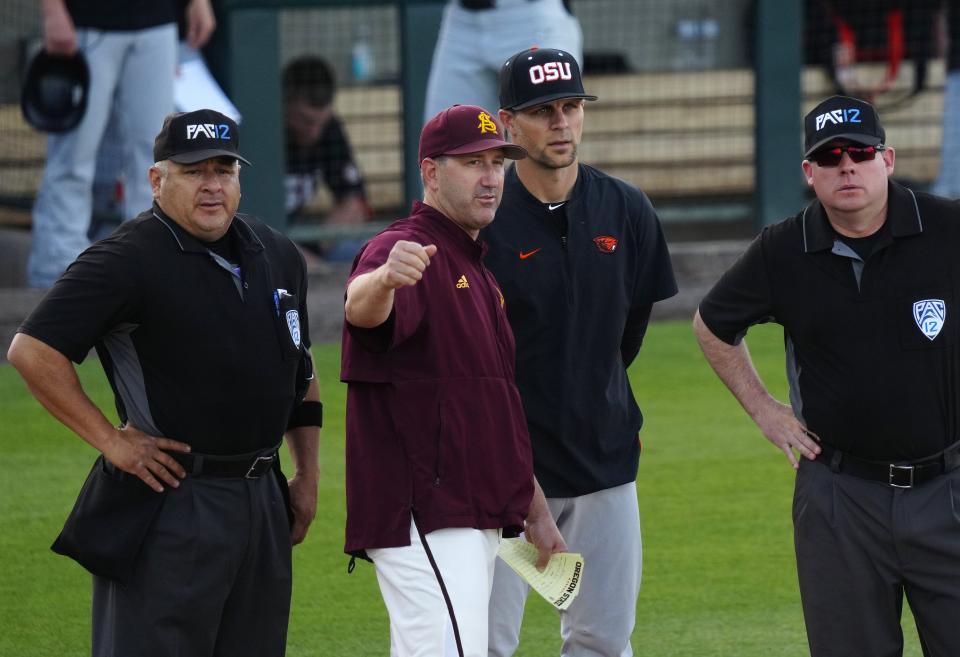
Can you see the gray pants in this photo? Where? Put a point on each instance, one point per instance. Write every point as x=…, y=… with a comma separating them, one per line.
x=605, y=528
x=131, y=73
x=473, y=45
x=860, y=546
x=213, y=578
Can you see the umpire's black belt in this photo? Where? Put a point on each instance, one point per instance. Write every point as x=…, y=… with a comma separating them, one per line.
x=897, y=475
x=250, y=466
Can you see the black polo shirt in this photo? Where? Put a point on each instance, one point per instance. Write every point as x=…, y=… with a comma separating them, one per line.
x=871, y=346
x=579, y=279
x=123, y=15
x=194, y=351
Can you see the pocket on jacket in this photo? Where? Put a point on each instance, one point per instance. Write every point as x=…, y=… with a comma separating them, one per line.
x=109, y=522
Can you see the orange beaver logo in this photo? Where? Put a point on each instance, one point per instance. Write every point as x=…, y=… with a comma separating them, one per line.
x=605, y=243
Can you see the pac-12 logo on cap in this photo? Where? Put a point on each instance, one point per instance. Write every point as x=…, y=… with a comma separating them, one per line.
x=550, y=72
x=208, y=130
x=851, y=115
x=930, y=314
x=486, y=123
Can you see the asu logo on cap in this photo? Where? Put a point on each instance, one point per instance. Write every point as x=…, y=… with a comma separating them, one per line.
x=486, y=123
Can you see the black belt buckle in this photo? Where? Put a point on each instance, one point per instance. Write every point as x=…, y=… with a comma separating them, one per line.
x=901, y=476
x=260, y=466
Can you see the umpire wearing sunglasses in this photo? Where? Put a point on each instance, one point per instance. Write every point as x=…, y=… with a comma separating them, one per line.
x=864, y=282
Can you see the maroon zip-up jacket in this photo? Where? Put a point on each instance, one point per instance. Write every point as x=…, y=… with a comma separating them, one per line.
x=435, y=426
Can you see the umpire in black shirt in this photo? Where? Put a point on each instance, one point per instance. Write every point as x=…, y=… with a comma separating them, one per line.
x=863, y=282
x=198, y=315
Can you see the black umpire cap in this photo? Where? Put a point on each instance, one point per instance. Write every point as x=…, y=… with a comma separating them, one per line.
x=189, y=137
x=842, y=117
x=536, y=76
x=55, y=90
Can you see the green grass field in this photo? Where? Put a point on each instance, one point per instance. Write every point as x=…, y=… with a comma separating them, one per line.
x=719, y=576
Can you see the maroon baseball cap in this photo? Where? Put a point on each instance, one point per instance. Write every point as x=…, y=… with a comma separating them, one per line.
x=463, y=129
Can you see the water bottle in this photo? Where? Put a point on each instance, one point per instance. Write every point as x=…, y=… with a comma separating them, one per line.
x=361, y=56
x=697, y=32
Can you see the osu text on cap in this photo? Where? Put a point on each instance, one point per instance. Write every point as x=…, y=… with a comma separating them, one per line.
x=549, y=72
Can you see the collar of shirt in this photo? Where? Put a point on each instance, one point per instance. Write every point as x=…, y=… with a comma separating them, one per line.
x=903, y=215
x=439, y=222
x=247, y=240
x=518, y=190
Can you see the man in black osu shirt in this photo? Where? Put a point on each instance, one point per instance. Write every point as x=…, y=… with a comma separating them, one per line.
x=581, y=259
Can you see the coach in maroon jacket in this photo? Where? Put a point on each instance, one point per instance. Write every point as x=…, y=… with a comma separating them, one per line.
x=438, y=455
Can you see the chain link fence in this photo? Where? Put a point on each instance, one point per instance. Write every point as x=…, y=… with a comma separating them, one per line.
x=674, y=77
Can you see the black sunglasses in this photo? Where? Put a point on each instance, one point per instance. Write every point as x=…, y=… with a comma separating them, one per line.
x=830, y=157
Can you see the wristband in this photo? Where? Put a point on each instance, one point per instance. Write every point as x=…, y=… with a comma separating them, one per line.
x=307, y=414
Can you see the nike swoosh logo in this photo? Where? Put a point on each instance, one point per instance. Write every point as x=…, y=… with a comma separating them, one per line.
x=552, y=207
x=524, y=256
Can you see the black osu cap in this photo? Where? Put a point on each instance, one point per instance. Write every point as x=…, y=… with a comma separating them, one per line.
x=842, y=117
x=536, y=76
x=189, y=137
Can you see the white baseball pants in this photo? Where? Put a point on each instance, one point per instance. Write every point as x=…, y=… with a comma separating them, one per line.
x=437, y=590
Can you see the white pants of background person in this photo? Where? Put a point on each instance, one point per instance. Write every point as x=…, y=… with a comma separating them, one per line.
x=474, y=44
x=420, y=623
x=605, y=528
x=948, y=180
x=133, y=70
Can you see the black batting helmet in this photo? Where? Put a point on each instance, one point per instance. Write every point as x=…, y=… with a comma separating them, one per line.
x=54, y=95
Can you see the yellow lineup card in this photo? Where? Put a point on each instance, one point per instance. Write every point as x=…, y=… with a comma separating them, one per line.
x=559, y=583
